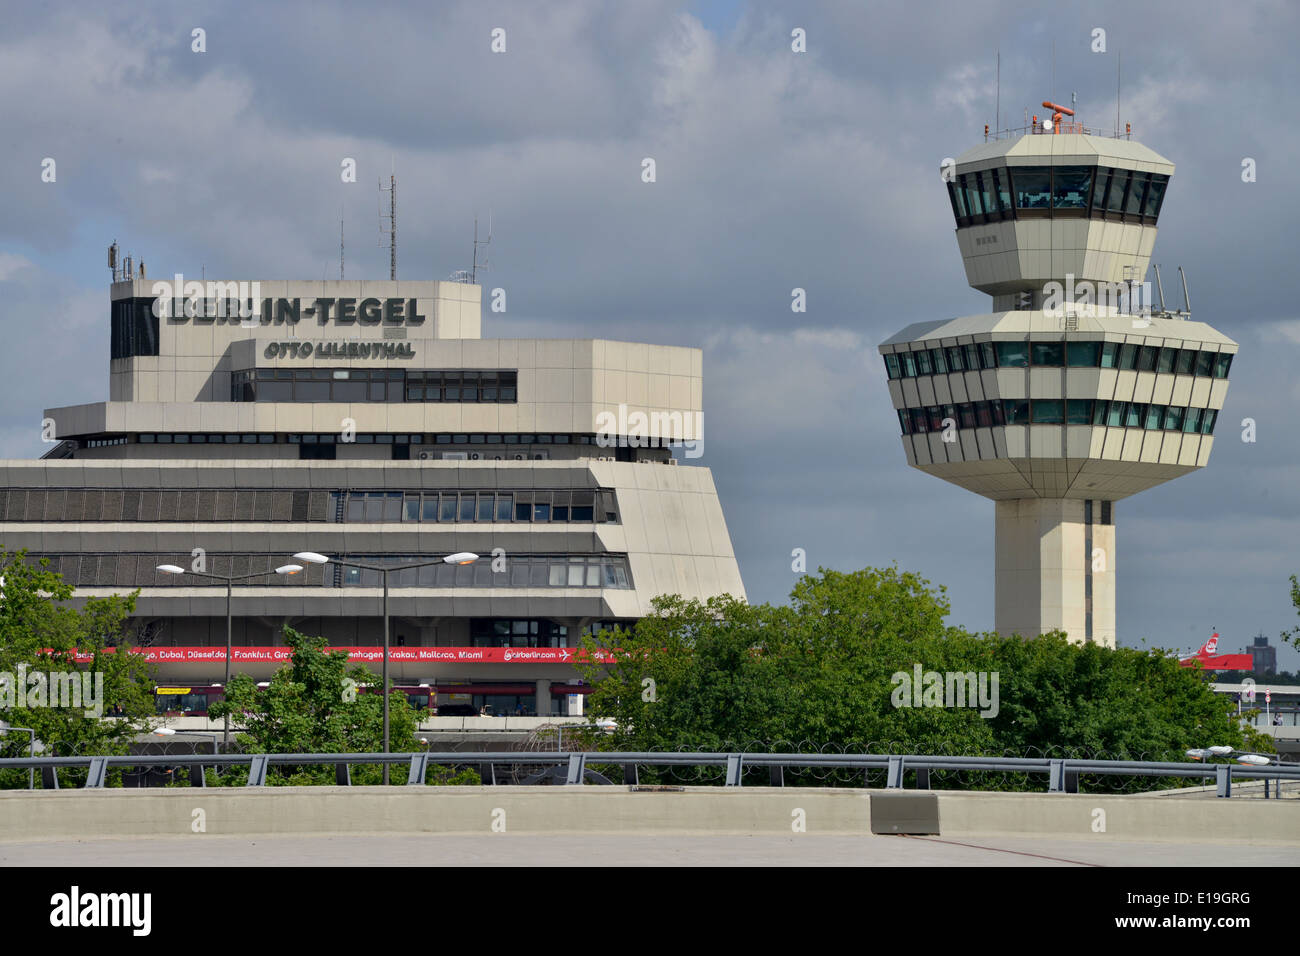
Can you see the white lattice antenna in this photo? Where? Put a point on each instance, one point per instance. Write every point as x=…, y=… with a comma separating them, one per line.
x=473, y=274
x=391, y=230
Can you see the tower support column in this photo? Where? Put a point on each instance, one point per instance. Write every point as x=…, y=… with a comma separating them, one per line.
x=1055, y=568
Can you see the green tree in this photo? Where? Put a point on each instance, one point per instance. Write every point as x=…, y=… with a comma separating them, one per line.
x=314, y=704
x=1292, y=636
x=42, y=632
x=826, y=670
x=728, y=674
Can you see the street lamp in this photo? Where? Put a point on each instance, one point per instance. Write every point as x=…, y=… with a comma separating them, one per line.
x=284, y=569
x=460, y=557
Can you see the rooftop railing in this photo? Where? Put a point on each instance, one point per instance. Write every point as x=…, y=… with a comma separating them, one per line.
x=1042, y=129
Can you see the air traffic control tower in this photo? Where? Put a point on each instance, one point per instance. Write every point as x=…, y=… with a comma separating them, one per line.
x=1074, y=392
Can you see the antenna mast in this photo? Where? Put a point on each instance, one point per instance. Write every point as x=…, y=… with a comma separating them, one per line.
x=997, y=110
x=391, y=231
x=473, y=275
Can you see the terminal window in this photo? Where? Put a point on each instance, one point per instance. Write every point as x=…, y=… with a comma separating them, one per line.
x=532, y=570
x=374, y=385
x=134, y=328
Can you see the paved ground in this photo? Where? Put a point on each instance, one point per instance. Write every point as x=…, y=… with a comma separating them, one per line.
x=658, y=850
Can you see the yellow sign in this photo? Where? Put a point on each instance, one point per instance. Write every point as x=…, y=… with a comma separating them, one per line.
x=172, y=690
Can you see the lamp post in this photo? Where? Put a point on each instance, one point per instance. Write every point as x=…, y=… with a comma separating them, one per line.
x=311, y=557
x=285, y=569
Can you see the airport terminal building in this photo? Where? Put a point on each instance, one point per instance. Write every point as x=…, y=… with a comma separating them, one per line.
x=369, y=421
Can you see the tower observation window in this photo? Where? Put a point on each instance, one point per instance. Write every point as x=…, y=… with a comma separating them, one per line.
x=1078, y=411
x=953, y=194
x=1083, y=354
x=1118, y=187
x=1047, y=412
x=1047, y=353
x=987, y=196
x=1015, y=411
x=1012, y=354
x=1070, y=186
x=1055, y=354
x=1136, y=194
x=1119, y=195
x=1002, y=187
x=1033, y=187
x=1190, y=420
x=1104, y=179
x=1155, y=195
x=971, y=188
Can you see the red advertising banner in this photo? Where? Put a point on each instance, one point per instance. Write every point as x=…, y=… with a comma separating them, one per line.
x=279, y=655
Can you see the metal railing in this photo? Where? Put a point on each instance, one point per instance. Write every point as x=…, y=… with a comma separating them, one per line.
x=1066, y=126
x=572, y=768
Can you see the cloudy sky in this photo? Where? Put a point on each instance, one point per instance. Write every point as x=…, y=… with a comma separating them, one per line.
x=775, y=170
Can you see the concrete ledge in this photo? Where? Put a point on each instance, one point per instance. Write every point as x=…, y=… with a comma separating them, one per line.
x=1126, y=818
x=96, y=814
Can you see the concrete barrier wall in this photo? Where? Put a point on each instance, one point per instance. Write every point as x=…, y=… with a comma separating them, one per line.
x=83, y=814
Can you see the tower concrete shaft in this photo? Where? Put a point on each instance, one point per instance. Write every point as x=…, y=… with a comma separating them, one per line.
x=1055, y=567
